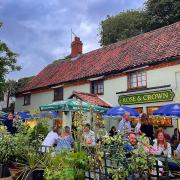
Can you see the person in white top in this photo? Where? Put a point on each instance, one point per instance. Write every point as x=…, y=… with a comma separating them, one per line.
x=50, y=140
x=89, y=136
x=161, y=146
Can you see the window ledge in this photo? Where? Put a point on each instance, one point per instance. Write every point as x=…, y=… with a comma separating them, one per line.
x=136, y=88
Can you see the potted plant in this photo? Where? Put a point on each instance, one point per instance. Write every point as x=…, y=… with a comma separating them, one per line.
x=67, y=165
x=6, y=153
x=26, y=158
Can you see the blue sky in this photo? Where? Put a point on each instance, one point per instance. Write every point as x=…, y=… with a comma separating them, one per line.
x=40, y=30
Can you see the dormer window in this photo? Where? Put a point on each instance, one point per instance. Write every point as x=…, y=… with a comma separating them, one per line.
x=137, y=79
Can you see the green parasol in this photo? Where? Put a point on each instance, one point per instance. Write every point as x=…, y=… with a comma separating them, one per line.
x=72, y=105
x=3, y=114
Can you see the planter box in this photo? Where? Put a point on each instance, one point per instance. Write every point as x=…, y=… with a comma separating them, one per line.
x=35, y=175
x=4, y=171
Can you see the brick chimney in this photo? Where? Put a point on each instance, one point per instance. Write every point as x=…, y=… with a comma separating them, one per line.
x=76, y=47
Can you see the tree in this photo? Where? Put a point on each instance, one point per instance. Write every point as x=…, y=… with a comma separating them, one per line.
x=156, y=14
x=122, y=26
x=12, y=87
x=7, y=62
x=21, y=83
x=161, y=13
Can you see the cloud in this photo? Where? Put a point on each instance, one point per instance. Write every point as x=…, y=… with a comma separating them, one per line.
x=40, y=31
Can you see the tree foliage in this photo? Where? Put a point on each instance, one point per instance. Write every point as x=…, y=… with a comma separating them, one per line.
x=8, y=62
x=162, y=13
x=156, y=14
x=121, y=26
x=21, y=83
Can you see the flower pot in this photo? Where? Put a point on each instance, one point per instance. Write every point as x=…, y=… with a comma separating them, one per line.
x=4, y=171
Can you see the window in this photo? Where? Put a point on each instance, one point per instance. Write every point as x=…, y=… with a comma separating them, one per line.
x=97, y=87
x=27, y=99
x=137, y=79
x=58, y=94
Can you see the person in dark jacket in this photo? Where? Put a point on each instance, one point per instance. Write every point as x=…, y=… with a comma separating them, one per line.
x=9, y=123
x=146, y=127
x=113, y=131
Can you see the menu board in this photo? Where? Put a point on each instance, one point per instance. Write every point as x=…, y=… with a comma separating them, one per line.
x=158, y=120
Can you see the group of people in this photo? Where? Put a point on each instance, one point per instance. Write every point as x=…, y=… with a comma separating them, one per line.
x=62, y=139
x=144, y=127
x=160, y=140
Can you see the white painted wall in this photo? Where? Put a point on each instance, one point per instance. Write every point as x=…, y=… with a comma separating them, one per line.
x=47, y=97
x=83, y=88
x=155, y=77
x=36, y=101
x=111, y=87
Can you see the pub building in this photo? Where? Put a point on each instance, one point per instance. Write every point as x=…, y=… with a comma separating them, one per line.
x=142, y=72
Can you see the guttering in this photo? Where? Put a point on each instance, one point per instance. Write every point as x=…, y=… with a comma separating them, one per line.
x=136, y=69
x=54, y=87
x=29, y=92
x=96, y=78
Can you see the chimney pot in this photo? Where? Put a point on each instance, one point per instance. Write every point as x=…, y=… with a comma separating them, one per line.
x=76, y=47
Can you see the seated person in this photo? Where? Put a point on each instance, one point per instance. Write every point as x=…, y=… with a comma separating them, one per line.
x=161, y=146
x=89, y=136
x=132, y=142
x=50, y=140
x=113, y=131
x=164, y=148
x=65, y=140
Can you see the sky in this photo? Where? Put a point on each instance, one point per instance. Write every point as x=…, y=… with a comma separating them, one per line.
x=39, y=31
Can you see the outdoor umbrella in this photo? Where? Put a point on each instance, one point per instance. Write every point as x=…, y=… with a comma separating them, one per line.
x=72, y=105
x=169, y=110
x=3, y=114
x=24, y=115
x=119, y=111
x=52, y=114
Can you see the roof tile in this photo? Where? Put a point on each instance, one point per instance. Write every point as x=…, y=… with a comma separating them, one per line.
x=147, y=48
x=91, y=98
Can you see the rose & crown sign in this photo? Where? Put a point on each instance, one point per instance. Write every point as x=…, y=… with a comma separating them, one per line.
x=147, y=97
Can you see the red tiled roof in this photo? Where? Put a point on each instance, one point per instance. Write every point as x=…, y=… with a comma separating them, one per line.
x=91, y=98
x=148, y=48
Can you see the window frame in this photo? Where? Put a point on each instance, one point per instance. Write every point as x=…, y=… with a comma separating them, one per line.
x=28, y=100
x=142, y=77
x=97, y=87
x=60, y=95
